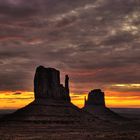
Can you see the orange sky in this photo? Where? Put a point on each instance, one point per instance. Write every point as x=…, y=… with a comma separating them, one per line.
x=14, y=100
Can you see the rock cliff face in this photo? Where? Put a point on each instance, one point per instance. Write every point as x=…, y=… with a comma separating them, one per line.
x=95, y=104
x=95, y=98
x=47, y=85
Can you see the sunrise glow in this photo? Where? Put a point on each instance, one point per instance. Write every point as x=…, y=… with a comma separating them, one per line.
x=18, y=99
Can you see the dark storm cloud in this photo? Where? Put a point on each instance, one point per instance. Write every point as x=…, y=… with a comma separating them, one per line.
x=15, y=11
x=74, y=36
x=12, y=9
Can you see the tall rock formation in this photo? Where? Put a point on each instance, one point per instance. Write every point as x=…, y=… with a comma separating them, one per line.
x=67, y=88
x=95, y=104
x=52, y=102
x=95, y=98
x=47, y=85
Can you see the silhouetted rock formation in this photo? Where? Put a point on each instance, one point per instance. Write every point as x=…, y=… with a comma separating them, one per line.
x=47, y=85
x=52, y=101
x=95, y=97
x=95, y=104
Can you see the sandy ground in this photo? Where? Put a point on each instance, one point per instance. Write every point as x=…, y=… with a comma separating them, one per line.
x=127, y=130
x=40, y=131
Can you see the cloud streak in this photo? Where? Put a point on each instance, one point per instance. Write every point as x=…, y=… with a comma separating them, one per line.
x=98, y=39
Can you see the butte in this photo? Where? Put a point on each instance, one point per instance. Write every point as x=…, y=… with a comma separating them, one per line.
x=52, y=103
x=95, y=104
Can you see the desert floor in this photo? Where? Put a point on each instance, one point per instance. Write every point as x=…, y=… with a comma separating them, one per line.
x=40, y=131
x=102, y=130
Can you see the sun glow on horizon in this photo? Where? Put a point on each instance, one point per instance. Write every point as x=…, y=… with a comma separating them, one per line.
x=18, y=99
x=14, y=100
x=127, y=85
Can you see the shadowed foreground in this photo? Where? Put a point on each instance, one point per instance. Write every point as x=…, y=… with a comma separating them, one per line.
x=43, y=131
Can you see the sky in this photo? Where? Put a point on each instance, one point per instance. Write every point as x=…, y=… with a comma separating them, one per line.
x=95, y=42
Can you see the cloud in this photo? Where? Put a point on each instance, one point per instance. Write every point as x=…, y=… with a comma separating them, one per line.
x=95, y=42
x=17, y=93
x=15, y=11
